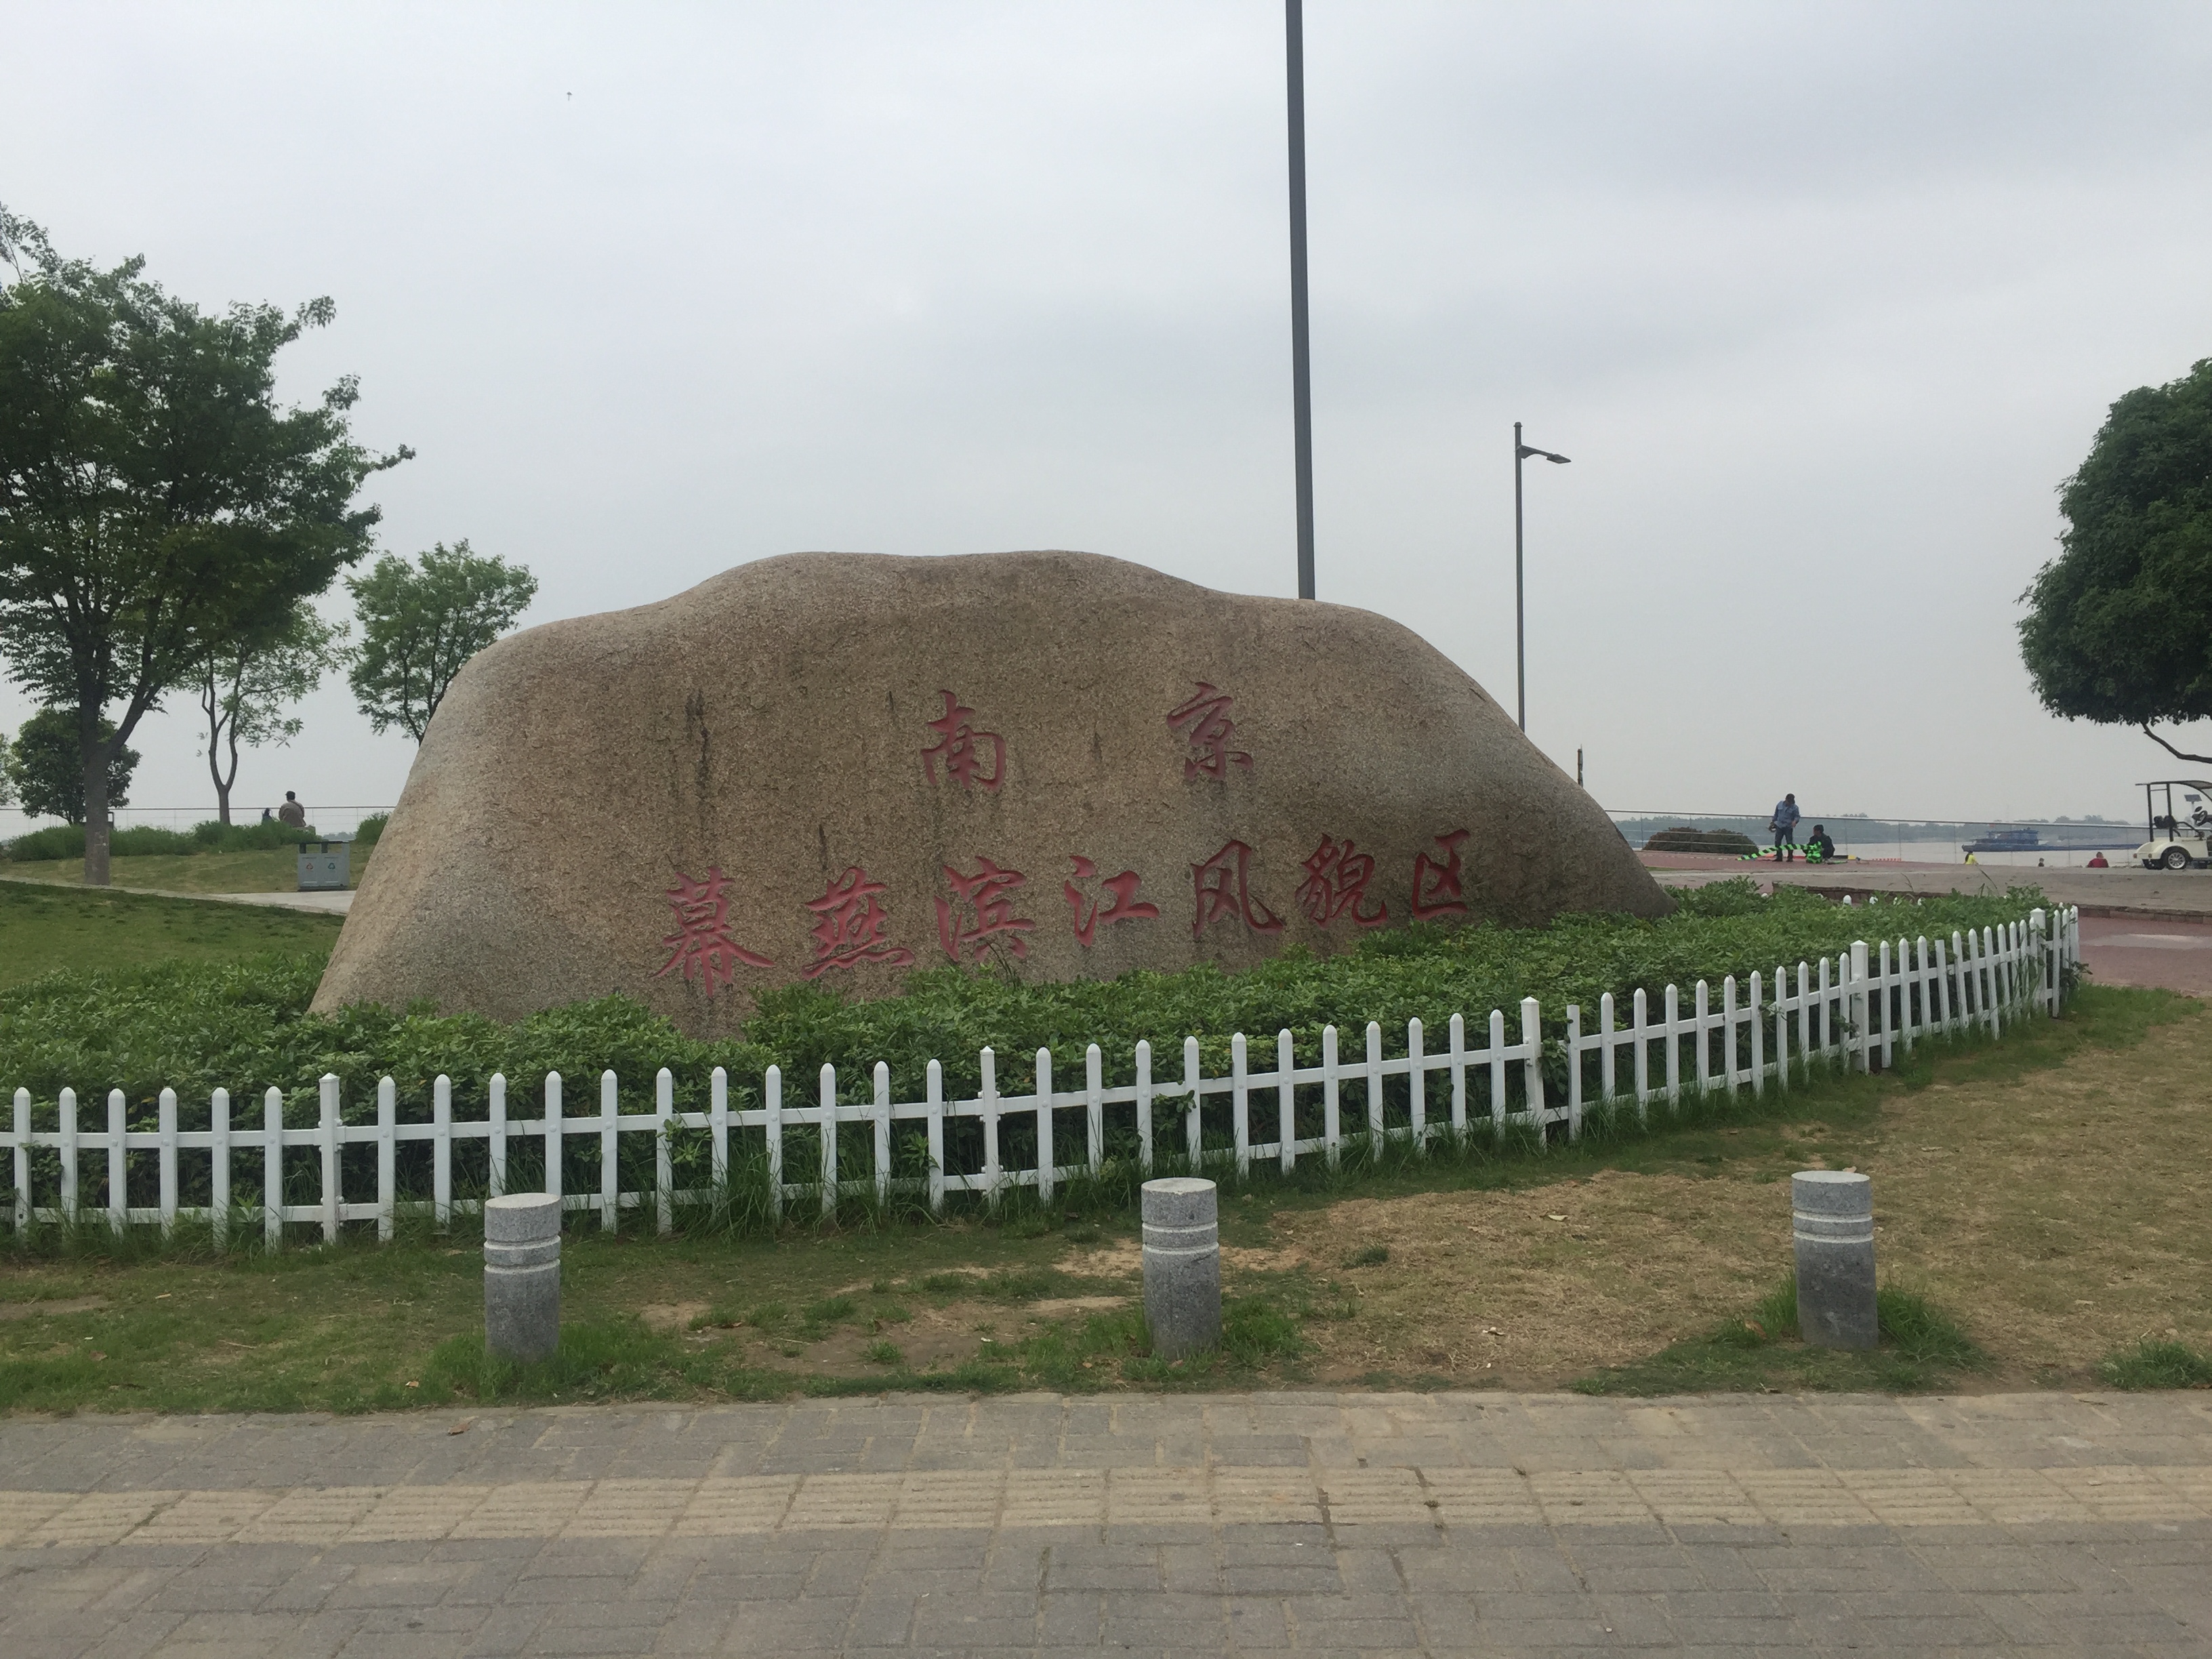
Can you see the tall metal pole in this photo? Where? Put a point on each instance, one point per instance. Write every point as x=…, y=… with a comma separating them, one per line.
x=1520, y=629
x=1301, y=362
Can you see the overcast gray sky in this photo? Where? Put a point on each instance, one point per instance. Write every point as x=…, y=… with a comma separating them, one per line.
x=1823, y=300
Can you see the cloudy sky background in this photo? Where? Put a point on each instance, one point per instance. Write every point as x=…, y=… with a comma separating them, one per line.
x=1824, y=302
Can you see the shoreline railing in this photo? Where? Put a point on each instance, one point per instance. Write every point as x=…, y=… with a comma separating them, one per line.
x=1855, y=1009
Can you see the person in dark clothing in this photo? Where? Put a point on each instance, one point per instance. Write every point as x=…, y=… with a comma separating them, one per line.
x=1784, y=826
x=1819, y=849
x=292, y=812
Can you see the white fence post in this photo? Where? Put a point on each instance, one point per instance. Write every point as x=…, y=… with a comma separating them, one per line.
x=988, y=1063
x=664, y=1155
x=167, y=1156
x=1047, y=1155
x=1458, y=1035
x=119, y=1174
x=610, y=1114
x=1144, y=1106
x=387, y=1195
x=936, y=1108
x=1573, y=1070
x=718, y=1129
x=332, y=1195
x=219, y=1166
x=67, y=1148
x=1286, y=1102
x=1094, y=1109
x=554, y=1141
x=272, y=1167
x=22, y=1160
x=1375, y=1086
x=772, y=1102
x=1240, y=1105
x=497, y=1141
x=1332, y=1123
x=1417, y=1094
x=827, y=1101
x=1194, y=1125
x=441, y=1151
x=1532, y=1084
x=883, y=1148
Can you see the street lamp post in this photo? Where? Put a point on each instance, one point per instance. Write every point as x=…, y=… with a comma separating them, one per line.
x=1521, y=453
x=1294, y=56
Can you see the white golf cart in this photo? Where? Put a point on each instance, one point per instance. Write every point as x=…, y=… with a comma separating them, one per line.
x=2177, y=840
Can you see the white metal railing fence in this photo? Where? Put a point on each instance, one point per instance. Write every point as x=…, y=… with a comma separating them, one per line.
x=1853, y=1009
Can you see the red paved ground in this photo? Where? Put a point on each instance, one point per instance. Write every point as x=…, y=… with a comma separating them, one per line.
x=2139, y=951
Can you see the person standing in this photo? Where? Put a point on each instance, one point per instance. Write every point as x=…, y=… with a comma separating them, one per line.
x=292, y=812
x=1784, y=826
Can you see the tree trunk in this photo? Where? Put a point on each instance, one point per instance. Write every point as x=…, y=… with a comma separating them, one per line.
x=96, y=826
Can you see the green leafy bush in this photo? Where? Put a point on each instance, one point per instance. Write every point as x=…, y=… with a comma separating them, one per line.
x=2154, y=1363
x=66, y=841
x=246, y=1026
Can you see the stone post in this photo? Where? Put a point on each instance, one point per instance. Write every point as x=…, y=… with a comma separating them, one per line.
x=1833, y=1221
x=1183, y=1265
x=522, y=1275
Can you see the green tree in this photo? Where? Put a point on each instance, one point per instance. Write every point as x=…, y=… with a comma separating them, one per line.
x=418, y=627
x=45, y=771
x=245, y=682
x=153, y=498
x=2119, y=625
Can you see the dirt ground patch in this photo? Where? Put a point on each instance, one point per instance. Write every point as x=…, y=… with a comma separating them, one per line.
x=2056, y=1215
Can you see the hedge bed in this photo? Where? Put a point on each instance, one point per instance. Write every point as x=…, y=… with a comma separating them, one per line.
x=246, y=1027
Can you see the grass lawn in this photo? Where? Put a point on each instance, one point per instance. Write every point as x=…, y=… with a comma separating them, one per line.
x=274, y=870
x=42, y=928
x=2046, y=1194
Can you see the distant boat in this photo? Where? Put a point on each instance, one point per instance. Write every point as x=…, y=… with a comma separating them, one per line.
x=2007, y=841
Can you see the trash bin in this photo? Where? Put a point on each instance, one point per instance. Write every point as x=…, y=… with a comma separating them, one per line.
x=326, y=866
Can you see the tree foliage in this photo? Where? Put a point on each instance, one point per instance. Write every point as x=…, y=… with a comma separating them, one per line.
x=154, y=498
x=248, y=680
x=418, y=627
x=46, y=769
x=2119, y=625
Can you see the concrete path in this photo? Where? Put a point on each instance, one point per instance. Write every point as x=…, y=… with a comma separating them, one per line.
x=337, y=904
x=2118, y=892
x=1273, y=1523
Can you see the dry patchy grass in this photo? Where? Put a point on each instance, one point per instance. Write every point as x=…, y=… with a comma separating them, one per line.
x=2057, y=1214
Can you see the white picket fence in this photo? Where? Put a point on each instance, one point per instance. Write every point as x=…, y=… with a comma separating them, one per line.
x=1853, y=1009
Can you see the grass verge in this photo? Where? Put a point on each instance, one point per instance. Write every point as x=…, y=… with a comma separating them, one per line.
x=2157, y=1363
x=51, y=927
x=1921, y=1348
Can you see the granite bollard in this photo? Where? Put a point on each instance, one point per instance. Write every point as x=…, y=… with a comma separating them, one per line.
x=1832, y=1221
x=1183, y=1265
x=522, y=1276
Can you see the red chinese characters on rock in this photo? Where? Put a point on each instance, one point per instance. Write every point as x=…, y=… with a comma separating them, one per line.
x=961, y=747
x=1203, y=718
x=1121, y=903
x=1437, y=889
x=1222, y=886
x=1336, y=882
x=979, y=910
x=849, y=927
x=701, y=945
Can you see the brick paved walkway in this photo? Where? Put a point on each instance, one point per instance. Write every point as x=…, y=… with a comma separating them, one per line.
x=1291, y=1524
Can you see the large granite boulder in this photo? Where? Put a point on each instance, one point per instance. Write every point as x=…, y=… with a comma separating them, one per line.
x=836, y=767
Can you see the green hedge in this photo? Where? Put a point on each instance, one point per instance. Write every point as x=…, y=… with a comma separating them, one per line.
x=246, y=1027
x=66, y=841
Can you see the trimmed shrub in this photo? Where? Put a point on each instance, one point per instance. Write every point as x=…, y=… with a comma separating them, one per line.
x=1685, y=838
